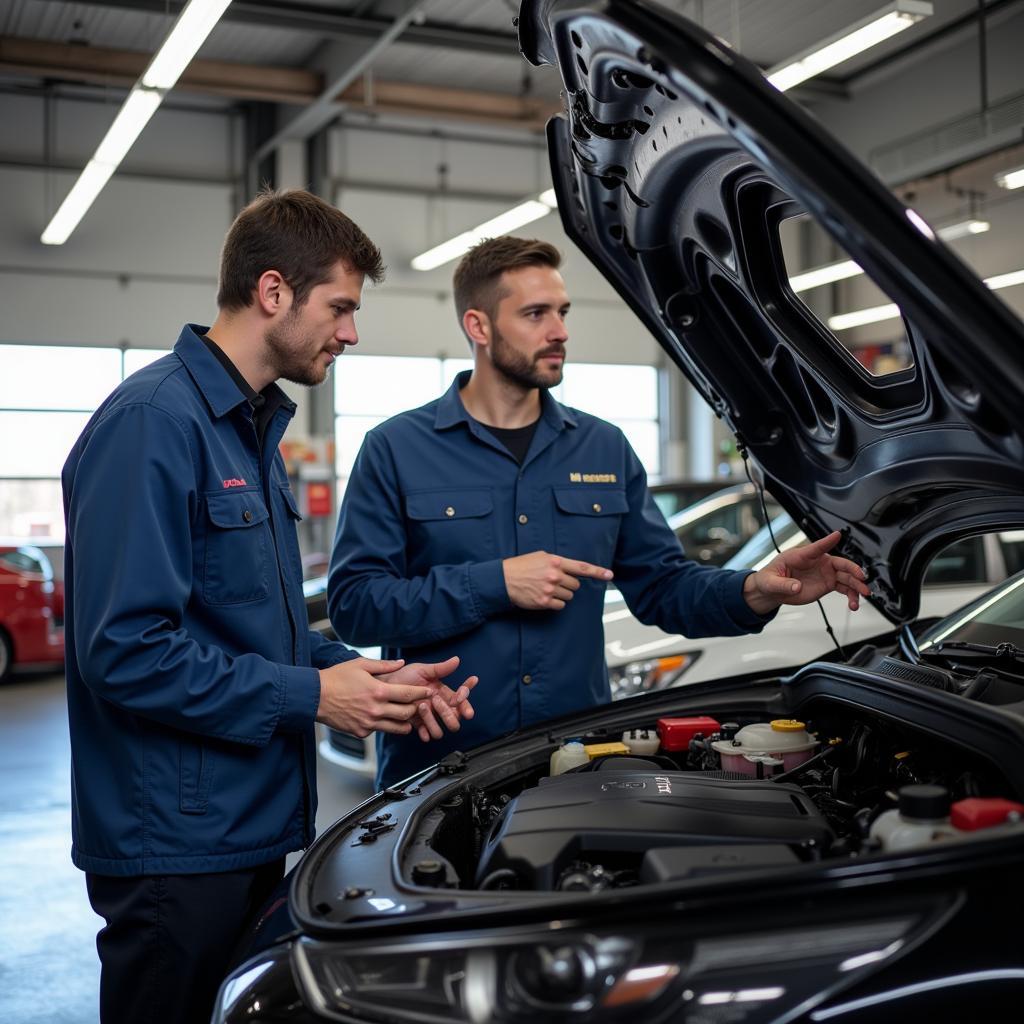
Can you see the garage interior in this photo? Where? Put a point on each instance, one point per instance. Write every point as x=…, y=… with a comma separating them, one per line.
x=420, y=120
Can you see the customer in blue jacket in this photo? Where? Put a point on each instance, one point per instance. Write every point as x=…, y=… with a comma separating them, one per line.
x=193, y=678
x=488, y=523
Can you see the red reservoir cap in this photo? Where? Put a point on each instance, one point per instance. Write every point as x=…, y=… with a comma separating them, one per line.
x=982, y=812
x=676, y=733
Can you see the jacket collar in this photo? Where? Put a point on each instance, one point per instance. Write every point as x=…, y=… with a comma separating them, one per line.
x=222, y=394
x=451, y=411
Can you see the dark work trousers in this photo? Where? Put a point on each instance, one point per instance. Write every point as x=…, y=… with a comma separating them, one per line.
x=169, y=940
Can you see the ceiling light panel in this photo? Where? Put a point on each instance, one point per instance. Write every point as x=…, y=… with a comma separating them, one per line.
x=1011, y=179
x=875, y=314
x=861, y=36
x=510, y=220
x=189, y=32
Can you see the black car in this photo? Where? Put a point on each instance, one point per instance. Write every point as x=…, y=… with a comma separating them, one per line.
x=841, y=844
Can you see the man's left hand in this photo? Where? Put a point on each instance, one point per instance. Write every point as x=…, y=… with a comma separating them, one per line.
x=450, y=706
x=803, y=575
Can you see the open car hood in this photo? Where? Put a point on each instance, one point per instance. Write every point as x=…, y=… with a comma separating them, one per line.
x=674, y=165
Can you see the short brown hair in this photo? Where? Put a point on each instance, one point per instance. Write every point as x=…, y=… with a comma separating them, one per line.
x=299, y=235
x=476, y=281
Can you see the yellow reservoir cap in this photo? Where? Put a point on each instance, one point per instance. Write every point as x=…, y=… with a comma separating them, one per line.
x=787, y=725
x=600, y=749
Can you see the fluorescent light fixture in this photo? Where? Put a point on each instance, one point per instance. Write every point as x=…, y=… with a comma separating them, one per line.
x=133, y=116
x=858, y=37
x=875, y=314
x=859, y=317
x=824, y=275
x=524, y=213
x=847, y=268
x=188, y=34
x=1011, y=179
x=963, y=229
x=88, y=186
x=1005, y=280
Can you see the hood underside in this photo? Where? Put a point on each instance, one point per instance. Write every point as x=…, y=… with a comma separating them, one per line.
x=675, y=164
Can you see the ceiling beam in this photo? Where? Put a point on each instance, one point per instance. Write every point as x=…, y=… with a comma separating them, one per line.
x=105, y=66
x=100, y=65
x=343, y=67
x=327, y=22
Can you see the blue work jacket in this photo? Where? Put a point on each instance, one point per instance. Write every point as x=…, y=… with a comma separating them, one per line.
x=435, y=503
x=191, y=694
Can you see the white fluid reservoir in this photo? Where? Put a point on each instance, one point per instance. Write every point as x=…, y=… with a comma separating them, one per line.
x=641, y=741
x=568, y=755
x=784, y=739
x=921, y=819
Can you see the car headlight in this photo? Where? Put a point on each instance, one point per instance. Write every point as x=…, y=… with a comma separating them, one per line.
x=554, y=975
x=449, y=983
x=653, y=674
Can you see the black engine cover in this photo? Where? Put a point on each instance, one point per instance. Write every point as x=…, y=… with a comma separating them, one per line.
x=606, y=816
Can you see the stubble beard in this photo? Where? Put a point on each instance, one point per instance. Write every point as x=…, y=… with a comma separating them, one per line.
x=520, y=370
x=286, y=347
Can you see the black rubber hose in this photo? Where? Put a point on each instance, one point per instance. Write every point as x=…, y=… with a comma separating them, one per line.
x=499, y=875
x=801, y=768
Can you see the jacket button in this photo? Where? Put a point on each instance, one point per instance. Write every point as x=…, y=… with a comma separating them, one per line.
x=523, y=520
x=596, y=507
x=247, y=516
x=449, y=511
x=527, y=679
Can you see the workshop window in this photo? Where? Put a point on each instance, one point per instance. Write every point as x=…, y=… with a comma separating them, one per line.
x=47, y=394
x=370, y=389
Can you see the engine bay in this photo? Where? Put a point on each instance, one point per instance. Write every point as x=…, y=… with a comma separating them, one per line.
x=707, y=794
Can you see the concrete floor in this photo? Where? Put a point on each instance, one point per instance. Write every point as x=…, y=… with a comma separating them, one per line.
x=49, y=971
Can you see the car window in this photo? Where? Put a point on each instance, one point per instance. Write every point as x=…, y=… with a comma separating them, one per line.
x=668, y=503
x=22, y=561
x=962, y=562
x=721, y=524
x=1011, y=544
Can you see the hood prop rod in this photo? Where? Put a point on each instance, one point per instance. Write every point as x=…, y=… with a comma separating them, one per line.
x=741, y=447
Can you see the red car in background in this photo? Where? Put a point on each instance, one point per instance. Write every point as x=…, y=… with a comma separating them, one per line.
x=31, y=608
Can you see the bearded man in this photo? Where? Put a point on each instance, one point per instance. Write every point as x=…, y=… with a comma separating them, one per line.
x=487, y=524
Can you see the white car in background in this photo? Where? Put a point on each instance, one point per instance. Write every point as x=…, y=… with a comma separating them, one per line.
x=642, y=658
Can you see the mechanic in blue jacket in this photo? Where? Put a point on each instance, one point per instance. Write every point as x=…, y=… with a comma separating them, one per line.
x=193, y=678
x=488, y=523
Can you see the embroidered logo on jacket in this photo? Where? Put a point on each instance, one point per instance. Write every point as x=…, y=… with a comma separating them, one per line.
x=234, y=482
x=593, y=478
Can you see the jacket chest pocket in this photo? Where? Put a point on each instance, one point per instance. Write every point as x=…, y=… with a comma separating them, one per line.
x=450, y=527
x=236, y=561
x=587, y=523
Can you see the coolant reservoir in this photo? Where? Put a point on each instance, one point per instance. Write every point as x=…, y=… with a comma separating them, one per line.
x=922, y=818
x=757, y=746
x=641, y=741
x=568, y=755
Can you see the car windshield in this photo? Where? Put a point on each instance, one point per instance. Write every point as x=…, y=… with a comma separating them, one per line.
x=997, y=617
